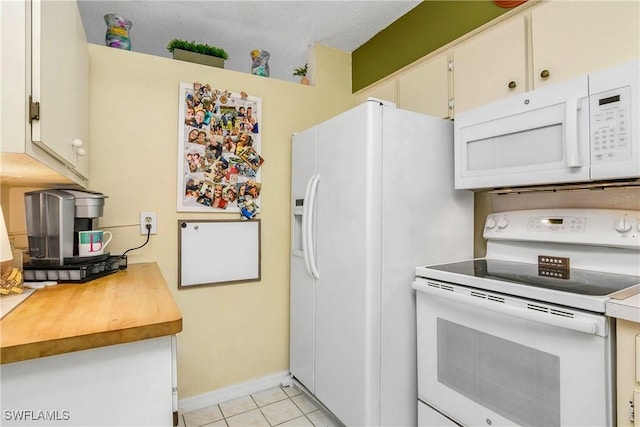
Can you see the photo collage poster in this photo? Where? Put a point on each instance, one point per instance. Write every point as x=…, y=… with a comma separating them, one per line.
x=219, y=151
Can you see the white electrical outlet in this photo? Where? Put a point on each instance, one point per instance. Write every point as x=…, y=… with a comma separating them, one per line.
x=148, y=218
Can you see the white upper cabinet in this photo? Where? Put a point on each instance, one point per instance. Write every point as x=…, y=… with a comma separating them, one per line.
x=45, y=59
x=60, y=81
x=425, y=87
x=545, y=44
x=491, y=65
x=570, y=38
x=386, y=90
x=540, y=43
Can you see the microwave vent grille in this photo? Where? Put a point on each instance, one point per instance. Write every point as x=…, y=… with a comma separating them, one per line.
x=580, y=186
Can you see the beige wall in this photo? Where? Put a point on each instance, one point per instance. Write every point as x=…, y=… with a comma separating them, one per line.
x=612, y=198
x=232, y=333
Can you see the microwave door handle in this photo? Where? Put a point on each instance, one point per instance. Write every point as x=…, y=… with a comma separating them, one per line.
x=571, y=134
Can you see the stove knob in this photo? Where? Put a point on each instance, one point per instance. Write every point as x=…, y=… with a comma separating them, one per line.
x=503, y=223
x=623, y=226
x=490, y=223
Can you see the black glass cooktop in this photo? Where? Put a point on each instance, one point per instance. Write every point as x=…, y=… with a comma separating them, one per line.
x=582, y=282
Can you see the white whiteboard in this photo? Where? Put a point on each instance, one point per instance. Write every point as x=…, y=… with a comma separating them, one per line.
x=218, y=252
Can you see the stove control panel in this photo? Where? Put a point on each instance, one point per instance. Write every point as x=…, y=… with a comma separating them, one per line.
x=600, y=227
x=557, y=224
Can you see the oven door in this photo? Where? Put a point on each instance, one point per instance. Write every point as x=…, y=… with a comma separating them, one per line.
x=539, y=137
x=489, y=359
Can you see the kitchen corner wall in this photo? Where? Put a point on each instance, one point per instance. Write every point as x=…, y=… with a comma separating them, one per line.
x=231, y=333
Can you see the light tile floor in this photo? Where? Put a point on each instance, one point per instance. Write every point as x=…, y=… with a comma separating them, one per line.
x=278, y=406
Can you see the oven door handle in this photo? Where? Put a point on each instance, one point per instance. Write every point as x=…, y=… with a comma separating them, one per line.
x=580, y=325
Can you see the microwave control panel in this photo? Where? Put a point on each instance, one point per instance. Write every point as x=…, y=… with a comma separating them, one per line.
x=610, y=126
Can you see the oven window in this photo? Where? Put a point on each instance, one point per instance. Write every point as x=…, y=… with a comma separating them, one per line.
x=515, y=381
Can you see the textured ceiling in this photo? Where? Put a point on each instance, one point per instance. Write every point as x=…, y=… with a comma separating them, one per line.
x=286, y=29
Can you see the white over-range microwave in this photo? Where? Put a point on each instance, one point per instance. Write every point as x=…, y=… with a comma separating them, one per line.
x=581, y=130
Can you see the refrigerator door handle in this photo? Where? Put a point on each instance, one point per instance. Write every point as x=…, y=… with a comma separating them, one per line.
x=310, y=243
x=305, y=226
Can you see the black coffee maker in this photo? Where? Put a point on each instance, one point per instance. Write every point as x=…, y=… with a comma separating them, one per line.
x=54, y=218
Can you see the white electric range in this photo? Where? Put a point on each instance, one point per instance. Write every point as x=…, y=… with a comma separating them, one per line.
x=520, y=337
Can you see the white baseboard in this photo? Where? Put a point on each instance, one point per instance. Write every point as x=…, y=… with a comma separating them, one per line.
x=232, y=392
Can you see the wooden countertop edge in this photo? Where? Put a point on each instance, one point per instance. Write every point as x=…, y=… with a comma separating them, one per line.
x=35, y=350
x=132, y=305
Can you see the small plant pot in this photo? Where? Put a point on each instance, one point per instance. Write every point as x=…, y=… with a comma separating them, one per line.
x=304, y=80
x=198, y=58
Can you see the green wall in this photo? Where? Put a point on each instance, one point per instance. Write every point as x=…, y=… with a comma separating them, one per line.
x=425, y=28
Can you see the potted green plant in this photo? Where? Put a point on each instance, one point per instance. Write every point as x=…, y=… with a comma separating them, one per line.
x=198, y=53
x=302, y=72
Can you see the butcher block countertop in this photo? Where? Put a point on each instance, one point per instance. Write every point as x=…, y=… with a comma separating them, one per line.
x=130, y=305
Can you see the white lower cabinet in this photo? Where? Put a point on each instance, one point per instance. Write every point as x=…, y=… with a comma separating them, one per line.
x=628, y=367
x=119, y=385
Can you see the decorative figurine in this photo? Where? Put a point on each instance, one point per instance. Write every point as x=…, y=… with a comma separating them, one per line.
x=117, y=31
x=260, y=64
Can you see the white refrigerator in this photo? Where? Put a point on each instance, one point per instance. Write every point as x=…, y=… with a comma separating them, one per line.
x=372, y=198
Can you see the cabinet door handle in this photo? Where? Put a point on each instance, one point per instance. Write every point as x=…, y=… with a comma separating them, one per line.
x=77, y=147
x=512, y=84
x=545, y=74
